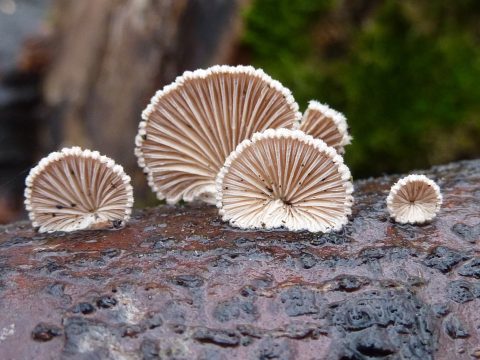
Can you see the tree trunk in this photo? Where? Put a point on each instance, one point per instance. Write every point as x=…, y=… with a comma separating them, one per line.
x=178, y=283
x=112, y=55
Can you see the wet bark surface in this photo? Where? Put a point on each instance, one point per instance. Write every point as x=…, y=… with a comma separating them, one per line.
x=178, y=283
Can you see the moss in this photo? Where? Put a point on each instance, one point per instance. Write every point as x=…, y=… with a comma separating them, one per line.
x=404, y=72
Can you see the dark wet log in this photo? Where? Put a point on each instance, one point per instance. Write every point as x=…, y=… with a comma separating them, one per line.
x=177, y=283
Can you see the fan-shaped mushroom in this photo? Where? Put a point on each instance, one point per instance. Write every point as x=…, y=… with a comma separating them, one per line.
x=75, y=190
x=192, y=125
x=414, y=199
x=285, y=178
x=322, y=122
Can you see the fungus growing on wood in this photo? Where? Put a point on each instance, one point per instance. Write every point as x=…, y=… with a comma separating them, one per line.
x=285, y=178
x=76, y=189
x=322, y=122
x=192, y=125
x=414, y=199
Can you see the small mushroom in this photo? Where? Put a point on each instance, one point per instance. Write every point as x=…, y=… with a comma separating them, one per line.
x=192, y=125
x=414, y=199
x=285, y=178
x=76, y=189
x=322, y=122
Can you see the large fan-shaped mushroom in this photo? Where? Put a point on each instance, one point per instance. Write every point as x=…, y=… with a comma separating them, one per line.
x=192, y=125
x=414, y=199
x=285, y=178
x=74, y=190
x=322, y=122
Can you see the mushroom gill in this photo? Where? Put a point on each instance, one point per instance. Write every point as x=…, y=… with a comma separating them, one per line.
x=76, y=189
x=322, y=122
x=414, y=199
x=192, y=125
x=285, y=178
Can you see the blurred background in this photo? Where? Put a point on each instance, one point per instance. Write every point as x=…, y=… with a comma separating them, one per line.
x=406, y=74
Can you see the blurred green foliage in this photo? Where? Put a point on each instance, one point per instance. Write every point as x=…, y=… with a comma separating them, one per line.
x=406, y=73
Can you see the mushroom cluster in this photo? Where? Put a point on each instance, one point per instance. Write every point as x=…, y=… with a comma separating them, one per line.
x=191, y=126
x=230, y=136
x=227, y=134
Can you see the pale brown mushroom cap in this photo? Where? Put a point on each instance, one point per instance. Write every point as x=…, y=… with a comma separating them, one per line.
x=76, y=189
x=414, y=199
x=192, y=125
x=285, y=178
x=324, y=123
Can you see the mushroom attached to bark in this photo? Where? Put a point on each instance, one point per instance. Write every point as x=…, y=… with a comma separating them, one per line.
x=192, y=125
x=322, y=122
x=285, y=178
x=76, y=189
x=414, y=199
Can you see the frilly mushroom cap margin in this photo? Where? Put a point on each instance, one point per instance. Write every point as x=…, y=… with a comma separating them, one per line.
x=76, y=152
x=404, y=182
x=335, y=116
x=320, y=145
x=178, y=83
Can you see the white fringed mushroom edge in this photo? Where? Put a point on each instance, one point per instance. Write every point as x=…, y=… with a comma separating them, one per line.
x=201, y=73
x=405, y=181
x=337, y=117
x=343, y=170
x=78, y=152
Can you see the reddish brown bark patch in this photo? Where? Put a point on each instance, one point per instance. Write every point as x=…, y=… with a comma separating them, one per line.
x=179, y=283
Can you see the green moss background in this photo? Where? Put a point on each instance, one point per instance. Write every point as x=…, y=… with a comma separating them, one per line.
x=406, y=73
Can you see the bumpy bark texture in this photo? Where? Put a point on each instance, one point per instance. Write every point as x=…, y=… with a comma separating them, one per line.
x=177, y=283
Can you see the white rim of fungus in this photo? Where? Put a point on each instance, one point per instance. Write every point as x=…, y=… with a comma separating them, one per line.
x=75, y=189
x=414, y=199
x=285, y=178
x=327, y=124
x=185, y=136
